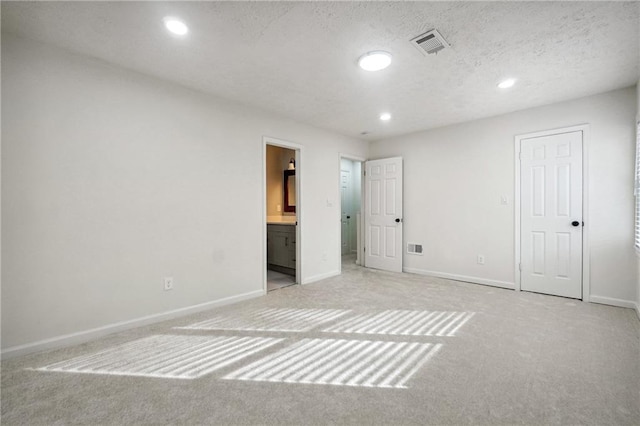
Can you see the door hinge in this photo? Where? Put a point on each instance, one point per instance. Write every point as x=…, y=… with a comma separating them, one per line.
x=520, y=267
x=365, y=172
x=520, y=155
x=364, y=249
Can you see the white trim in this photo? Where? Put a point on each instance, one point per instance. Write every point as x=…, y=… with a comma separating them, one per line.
x=637, y=309
x=94, y=333
x=586, y=250
x=320, y=277
x=636, y=194
x=516, y=212
x=586, y=246
x=360, y=243
x=264, y=215
x=621, y=303
x=267, y=140
x=464, y=278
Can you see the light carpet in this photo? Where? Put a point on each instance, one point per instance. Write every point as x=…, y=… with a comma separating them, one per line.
x=367, y=347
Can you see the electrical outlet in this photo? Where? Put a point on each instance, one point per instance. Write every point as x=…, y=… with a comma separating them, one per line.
x=168, y=283
x=480, y=259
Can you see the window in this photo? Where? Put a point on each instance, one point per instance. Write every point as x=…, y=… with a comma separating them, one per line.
x=637, y=188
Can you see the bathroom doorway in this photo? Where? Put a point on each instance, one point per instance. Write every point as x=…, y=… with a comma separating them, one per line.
x=350, y=210
x=282, y=212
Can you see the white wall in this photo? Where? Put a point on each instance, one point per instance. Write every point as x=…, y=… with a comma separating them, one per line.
x=112, y=180
x=638, y=254
x=455, y=176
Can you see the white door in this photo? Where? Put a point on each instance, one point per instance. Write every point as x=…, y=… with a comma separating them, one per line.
x=551, y=214
x=383, y=214
x=345, y=206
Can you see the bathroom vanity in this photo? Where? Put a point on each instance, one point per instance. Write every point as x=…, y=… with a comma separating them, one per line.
x=281, y=247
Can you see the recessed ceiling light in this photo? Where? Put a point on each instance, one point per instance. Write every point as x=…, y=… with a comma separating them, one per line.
x=385, y=116
x=375, y=61
x=505, y=84
x=175, y=25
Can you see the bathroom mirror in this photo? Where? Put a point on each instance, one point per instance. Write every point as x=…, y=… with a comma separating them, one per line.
x=289, y=190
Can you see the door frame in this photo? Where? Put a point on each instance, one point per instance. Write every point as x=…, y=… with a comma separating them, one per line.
x=299, y=149
x=360, y=241
x=585, y=129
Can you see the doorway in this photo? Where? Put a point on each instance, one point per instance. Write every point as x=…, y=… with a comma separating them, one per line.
x=350, y=209
x=282, y=207
x=550, y=206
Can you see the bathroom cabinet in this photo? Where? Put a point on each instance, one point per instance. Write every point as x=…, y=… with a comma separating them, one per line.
x=281, y=247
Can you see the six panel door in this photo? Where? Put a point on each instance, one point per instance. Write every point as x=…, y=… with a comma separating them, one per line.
x=551, y=214
x=383, y=217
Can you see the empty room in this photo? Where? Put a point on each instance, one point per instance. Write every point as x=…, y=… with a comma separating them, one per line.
x=320, y=213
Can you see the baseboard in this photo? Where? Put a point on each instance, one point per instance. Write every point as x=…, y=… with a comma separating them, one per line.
x=614, y=302
x=320, y=277
x=464, y=278
x=94, y=333
x=638, y=310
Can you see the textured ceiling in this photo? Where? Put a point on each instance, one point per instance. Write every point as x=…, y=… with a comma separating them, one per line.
x=298, y=59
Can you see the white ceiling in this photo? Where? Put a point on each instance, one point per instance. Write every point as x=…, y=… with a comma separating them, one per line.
x=299, y=59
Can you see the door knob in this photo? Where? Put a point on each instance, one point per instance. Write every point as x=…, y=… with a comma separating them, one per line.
x=348, y=217
x=397, y=220
x=575, y=223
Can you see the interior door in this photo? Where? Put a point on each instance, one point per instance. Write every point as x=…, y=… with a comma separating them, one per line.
x=551, y=214
x=383, y=215
x=345, y=206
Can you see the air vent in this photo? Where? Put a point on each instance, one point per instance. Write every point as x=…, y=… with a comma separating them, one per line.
x=413, y=248
x=430, y=42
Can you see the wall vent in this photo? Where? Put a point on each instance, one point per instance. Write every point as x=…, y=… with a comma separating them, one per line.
x=413, y=248
x=430, y=42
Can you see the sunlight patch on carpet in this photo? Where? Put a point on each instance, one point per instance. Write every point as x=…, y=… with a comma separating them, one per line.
x=270, y=319
x=404, y=323
x=166, y=356
x=341, y=362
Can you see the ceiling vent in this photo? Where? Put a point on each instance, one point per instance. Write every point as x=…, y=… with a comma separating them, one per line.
x=430, y=42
